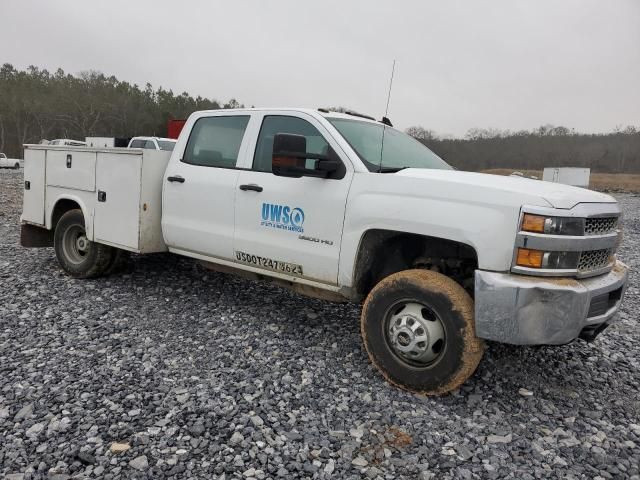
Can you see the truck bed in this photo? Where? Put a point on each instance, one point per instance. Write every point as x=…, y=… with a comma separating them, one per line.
x=119, y=191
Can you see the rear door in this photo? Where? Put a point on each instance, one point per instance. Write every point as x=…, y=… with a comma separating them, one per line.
x=291, y=225
x=200, y=187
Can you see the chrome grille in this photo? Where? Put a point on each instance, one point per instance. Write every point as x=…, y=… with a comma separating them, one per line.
x=594, y=259
x=600, y=226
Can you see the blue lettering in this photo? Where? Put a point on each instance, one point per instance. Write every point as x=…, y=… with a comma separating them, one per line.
x=276, y=211
x=282, y=217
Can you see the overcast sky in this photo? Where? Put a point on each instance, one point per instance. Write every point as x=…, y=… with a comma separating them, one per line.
x=508, y=64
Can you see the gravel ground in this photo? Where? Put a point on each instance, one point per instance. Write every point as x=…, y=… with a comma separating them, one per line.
x=170, y=371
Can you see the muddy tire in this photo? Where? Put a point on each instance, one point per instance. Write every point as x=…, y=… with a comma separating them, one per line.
x=418, y=329
x=16, y=166
x=78, y=256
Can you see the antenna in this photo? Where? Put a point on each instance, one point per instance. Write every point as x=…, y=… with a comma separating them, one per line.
x=393, y=69
x=385, y=120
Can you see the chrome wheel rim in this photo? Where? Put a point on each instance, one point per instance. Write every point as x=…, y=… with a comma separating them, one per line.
x=75, y=244
x=415, y=333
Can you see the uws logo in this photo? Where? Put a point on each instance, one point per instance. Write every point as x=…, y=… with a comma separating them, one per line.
x=282, y=217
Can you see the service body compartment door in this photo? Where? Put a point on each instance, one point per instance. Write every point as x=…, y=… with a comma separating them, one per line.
x=71, y=169
x=117, y=213
x=34, y=179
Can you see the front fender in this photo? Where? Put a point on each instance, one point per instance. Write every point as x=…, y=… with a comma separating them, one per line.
x=488, y=224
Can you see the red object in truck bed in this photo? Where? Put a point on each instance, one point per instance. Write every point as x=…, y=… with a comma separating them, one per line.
x=174, y=128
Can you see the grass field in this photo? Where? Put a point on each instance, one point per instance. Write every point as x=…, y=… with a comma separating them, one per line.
x=603, y=182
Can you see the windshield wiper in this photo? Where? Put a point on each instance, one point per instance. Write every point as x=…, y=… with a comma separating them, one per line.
x=390, y=169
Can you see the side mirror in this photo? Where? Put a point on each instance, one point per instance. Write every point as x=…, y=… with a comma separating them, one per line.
x=289, y=158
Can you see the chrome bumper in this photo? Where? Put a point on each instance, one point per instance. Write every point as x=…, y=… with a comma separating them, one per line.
x=525, y=310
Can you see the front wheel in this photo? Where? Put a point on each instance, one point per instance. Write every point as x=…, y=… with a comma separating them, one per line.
x=418, y=329
x=16, y=166
x=77, y=255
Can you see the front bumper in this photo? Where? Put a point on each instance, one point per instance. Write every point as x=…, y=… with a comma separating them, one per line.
x=525, y=310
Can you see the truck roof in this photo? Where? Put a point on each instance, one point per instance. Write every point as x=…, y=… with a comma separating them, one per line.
x=349, y=114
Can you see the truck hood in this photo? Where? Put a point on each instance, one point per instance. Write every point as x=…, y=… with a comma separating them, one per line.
x=556, y=195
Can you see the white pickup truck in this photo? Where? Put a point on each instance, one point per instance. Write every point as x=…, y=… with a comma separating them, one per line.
x=345, y=208
x=9, y=162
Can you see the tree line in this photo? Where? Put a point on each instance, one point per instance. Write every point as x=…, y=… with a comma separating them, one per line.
x=36, y=104
x=546, y=146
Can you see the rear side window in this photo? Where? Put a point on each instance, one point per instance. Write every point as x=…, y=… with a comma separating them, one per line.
x=167, y=146
x=215, y=141
x=274, y=124
x=137, y=144
x=150, y=145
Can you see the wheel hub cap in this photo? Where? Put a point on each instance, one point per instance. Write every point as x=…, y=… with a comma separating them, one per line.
x=75, y=244
x=415, y=333
x=82, y=243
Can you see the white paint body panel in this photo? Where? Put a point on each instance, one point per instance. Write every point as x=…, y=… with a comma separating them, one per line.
x=197, y=215
x=578, y=177
x=117, y=220
x=132, y=179
x=71, y=168
x=33, y=201
x=321, y=201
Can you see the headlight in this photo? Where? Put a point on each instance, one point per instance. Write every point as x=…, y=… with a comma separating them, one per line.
x=552, y=225
x=539, y=259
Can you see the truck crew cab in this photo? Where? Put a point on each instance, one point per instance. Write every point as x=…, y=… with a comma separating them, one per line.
x=346, y=208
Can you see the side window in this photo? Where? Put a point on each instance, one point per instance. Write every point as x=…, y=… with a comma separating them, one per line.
x=138, y=144
x=215, y=141
x=150, y=145
x=273, y=124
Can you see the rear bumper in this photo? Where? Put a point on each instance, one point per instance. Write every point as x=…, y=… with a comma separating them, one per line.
x=525, y=310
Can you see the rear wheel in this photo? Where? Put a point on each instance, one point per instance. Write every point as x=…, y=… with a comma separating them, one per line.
x=16, y=166
x=418, y=329
x=77, y=255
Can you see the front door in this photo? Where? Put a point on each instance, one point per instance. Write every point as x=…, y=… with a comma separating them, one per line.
x=290, y=225
x=199, y=190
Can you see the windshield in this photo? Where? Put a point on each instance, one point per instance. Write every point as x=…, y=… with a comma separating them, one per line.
x=165, y=145
x=400, y=150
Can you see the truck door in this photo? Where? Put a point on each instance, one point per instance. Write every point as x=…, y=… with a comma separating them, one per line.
x=199, y=189
x=290, y=225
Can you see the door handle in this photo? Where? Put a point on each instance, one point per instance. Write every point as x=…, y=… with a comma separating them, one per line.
x=252, y=186
x=175, y=178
